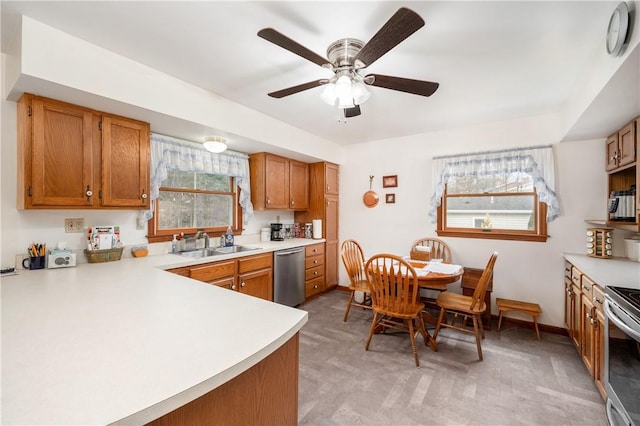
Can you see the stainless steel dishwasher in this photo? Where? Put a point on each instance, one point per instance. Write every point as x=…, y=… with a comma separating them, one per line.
x=288, y=276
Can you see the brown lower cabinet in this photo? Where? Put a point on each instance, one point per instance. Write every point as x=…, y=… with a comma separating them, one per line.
x=314, y=270
x=584, y=319
x=250, y=275
x=265, y=394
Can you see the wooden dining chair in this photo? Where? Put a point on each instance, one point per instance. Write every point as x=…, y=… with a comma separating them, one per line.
x=394, y=294
x=466, y=307
x=439, y=249
x=353, y=260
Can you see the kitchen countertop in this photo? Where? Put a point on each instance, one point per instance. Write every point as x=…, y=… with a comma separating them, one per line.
x=126, y=341
x=617, y=271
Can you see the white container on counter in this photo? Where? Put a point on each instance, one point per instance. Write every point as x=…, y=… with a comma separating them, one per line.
x=632, y=248
x=265, y=234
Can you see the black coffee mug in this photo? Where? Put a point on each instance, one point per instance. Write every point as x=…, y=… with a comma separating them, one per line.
x=36, y=262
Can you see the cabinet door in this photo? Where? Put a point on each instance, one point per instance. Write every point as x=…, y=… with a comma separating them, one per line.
x=599, y=356
x=587, y=331
x=627, y=144
x=331, y=218
x=125, y=163
x=214, y=271
x=228, y=283
x=258, y=284
x=575, y=318
x=276, y=182
x=63, y=172
x=299, y=185
x=568, y=306
x=331, y=266
x=612, y=152
x=331, y=174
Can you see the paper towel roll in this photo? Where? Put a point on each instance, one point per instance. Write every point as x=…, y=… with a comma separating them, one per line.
x=317, y=229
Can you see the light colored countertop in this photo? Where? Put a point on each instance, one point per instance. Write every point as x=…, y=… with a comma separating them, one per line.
x=126, y=341
x=617, y=271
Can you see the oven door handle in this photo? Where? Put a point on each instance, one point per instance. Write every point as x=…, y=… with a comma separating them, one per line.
x=610, y=408
x=614, y=312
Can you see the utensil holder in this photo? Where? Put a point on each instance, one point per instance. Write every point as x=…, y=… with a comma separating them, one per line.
x=600, y=242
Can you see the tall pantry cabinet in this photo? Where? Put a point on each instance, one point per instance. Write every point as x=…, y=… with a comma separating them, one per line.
x=324, y=205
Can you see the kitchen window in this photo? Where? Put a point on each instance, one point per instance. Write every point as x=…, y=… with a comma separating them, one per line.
x=495, y=195
x=193, y=189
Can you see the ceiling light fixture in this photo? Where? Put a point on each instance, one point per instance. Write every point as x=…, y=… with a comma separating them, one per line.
x=345, y=90
x=215, y=144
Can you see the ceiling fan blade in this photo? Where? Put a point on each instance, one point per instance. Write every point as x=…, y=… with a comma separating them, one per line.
x=407, y=85
x=285, y=42
x=299, y=88
x=401, y=25
x=352, y=112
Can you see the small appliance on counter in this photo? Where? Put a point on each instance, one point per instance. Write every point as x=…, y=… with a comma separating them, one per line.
x=622, y=205
x=276, y=232
x=61, y=258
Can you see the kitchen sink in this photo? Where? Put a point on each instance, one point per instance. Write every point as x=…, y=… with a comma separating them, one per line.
x=233, y=249
x=213, y=251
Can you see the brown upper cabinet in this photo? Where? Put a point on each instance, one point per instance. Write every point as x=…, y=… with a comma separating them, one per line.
x=278, y=183
x=621, y=147
x=74, y=157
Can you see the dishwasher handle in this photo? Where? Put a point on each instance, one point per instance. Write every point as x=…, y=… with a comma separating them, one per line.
x=289, y=252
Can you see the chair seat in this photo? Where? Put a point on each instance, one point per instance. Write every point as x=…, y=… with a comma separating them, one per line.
x=459, y=302
x=360, y=285
x=406, y=312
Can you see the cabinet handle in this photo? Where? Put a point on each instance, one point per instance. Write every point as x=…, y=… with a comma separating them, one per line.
x=328, y=188
x=292, y=202
x=315, y=272
x=233, y=286
x=315, y=262
x=144, y=195
x=315, y=250
x=584, y=287
x=242, y=284
x=88, y=192
x=315, y=286
x=268, y=201
x=600, y=301
x=589, y=315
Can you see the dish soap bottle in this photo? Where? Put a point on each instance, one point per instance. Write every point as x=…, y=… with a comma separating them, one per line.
x=174, y=244
x=228, y=237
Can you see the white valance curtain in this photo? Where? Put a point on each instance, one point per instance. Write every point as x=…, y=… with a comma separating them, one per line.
x=536, y=161
x=169, y=153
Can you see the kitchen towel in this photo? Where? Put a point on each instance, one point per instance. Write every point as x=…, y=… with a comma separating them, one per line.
x=317, y=229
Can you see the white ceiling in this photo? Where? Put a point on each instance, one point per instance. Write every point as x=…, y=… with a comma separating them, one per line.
x=494, y=60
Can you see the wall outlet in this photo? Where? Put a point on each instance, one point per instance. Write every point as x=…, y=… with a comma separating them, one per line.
x=74, y=225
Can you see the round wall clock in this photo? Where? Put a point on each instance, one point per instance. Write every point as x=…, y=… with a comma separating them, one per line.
x=617, y=29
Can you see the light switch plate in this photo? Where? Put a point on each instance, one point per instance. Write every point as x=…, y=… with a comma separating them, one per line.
x=74, y=225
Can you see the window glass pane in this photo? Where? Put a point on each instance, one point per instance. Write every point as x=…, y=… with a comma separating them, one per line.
x=193, y=210
x=502, y=182
x=197, y=180
x=491, y=212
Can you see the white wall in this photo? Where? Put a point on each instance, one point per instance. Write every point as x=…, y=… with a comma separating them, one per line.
x=529, y=271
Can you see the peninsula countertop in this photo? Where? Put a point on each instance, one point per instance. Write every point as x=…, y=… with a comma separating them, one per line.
x=126, y=341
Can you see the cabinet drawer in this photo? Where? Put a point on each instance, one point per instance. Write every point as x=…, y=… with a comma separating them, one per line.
x=586, y=286
x=567, y=269
x=598, y=297
x=575, y=276
x=314, y=249
x=314, y=286
x=253, y=263
x=213, y=271
x=312, y=273
x=313, y=261
x=184, y=271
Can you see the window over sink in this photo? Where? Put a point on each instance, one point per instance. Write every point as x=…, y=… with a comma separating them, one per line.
x=193, y=189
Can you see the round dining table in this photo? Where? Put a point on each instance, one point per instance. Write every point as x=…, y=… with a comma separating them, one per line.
x=434, y=281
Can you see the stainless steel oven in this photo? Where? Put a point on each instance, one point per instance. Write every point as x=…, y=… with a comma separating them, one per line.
x=622, y=355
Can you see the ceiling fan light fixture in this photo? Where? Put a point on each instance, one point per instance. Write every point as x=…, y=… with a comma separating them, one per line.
x=359, y=92
x=215, y=144
x=328, y=94
x=343, y=92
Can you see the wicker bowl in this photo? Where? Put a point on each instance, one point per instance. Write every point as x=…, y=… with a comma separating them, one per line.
x=99, y=256
x=420, y=255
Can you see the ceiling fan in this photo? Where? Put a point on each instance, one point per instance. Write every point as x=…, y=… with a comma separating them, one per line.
x=347, y=56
